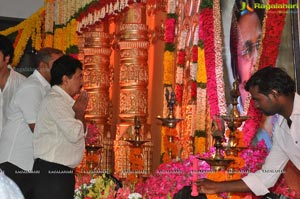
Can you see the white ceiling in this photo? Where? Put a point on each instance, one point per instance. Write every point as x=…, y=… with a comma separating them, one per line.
x=19, y=8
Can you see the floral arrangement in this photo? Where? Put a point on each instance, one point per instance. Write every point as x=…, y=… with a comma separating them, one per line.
x=104, y=186
x=206, y=33
x=168, y=179
x=92, y=137
x=100, y=187
x=171, y=177
x=199, y=142
x=137, y=164
x=170, y=146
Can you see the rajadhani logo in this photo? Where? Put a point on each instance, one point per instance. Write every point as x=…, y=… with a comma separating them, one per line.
x=245, y=8
x=275, y=6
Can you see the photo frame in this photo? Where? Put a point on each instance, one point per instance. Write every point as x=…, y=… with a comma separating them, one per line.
x=295, y=30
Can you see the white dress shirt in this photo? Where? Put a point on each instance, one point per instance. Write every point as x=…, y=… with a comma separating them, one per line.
x=58, y=136
x=16, y=142
x=286, y=146
x=11, y=85
x=8, y=188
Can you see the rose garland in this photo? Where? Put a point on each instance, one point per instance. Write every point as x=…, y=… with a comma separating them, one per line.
x=206, y=33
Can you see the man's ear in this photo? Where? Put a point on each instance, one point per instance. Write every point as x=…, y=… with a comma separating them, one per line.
x=43, y=65
x=65, y=79
x=6, y=59
x=275, y=93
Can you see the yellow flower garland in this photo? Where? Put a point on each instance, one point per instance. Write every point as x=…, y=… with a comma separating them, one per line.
x=201, y=72
x=199, y=144
x=168, y=67
x=48, y=41
x=29, y=27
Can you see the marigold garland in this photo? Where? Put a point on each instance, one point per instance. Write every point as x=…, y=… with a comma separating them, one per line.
x=201, y=72
x=48, y=41
x=137, y=164
x=199, y=142
x=170, y=146
x=28, y=28
x=168, y=68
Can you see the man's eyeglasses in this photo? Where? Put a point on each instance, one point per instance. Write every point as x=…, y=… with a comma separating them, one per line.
x=248, y=48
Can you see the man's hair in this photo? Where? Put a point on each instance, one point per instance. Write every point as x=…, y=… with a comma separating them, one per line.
x=65, y=65
x=44, y=55
x=270, y=78
x=6, y=47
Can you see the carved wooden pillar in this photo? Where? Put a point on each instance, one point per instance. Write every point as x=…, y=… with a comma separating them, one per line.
x=134, y=44
x=96, y=77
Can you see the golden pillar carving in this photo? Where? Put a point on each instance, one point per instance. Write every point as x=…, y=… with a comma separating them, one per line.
x=133, y=81
x=96, y=76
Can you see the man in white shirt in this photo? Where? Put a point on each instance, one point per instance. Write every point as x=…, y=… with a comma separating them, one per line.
x=273, y=92
x=16, y=147
x=9, y=79
x=59, y=132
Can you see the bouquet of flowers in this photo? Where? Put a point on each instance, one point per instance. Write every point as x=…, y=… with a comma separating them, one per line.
x=104, y=186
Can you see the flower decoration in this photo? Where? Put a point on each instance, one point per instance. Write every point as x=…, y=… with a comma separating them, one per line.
x=170, y=147
x=103, y=186
x=135, y=196
x=170, y=29
x=179, y=92
x=193, y=89
x=92, y=137
x=137, y=164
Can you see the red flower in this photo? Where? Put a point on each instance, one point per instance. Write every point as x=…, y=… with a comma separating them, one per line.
x=170, y=30
x=179, y=93
x=207, y=35
x=194, y=54
x=181, y=57
x=193, y=89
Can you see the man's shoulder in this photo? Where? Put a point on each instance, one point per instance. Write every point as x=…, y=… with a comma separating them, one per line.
x=53, y=96
x=31, y=81
x=17, y=76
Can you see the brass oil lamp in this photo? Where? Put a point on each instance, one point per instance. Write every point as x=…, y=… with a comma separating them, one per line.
x=170, y=121
x=137, y=142
x=217, y=162
x=234, y=121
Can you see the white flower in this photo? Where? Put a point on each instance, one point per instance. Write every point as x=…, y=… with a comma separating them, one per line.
x=135, y=196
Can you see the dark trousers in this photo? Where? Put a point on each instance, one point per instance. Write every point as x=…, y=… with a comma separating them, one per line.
x=52, y=181
x=21, y=177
